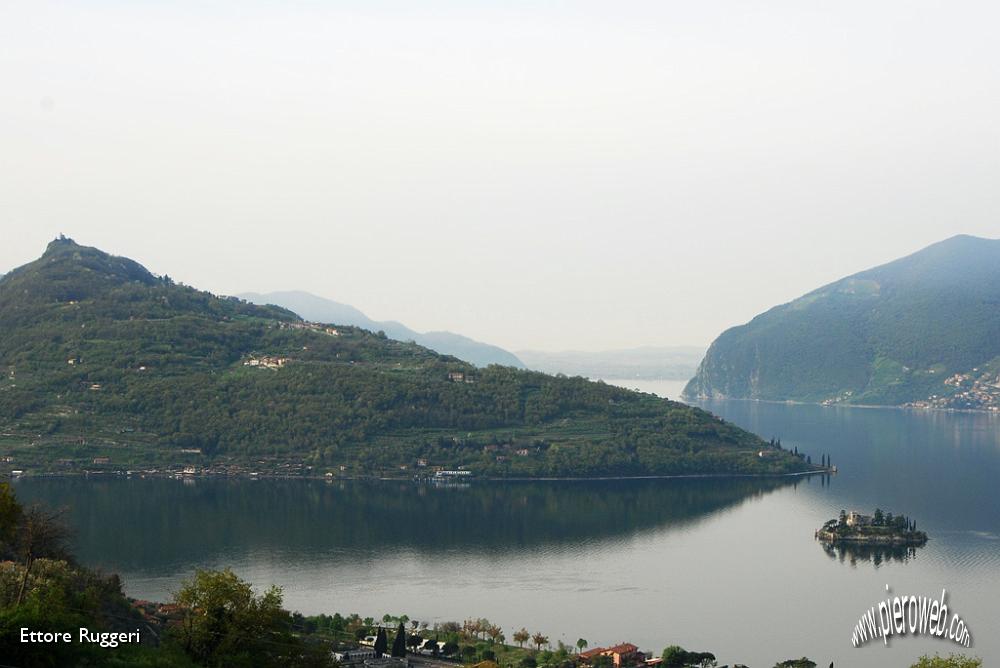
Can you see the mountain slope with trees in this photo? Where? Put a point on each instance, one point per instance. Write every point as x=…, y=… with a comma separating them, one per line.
x=923, y=330
x=107, y=365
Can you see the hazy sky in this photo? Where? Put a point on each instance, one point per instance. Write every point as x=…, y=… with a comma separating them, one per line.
x=533, y=174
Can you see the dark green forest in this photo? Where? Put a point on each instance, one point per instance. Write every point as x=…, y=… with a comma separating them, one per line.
x=106, y=365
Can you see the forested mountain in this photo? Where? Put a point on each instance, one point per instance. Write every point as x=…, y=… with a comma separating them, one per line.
x=319, y=309
x=107, y=365
x=923, y=330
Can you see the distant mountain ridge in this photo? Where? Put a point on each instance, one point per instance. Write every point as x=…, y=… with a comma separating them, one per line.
x=319, y=309
x=923, y=330
x=644, y=363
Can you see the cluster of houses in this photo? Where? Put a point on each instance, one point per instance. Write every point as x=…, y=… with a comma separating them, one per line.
x=364, y=657
x=158, y=617
x=267, y=362
x=971, y=391
x=496, y=447
x=622, y=655
x=312, y=327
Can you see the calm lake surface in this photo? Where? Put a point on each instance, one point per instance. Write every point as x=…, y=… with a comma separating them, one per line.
x=728, y=566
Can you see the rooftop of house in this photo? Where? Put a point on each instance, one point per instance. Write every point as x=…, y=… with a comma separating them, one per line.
x=623, y=648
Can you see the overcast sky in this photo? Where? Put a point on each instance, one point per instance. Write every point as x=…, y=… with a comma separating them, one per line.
x=534, y=174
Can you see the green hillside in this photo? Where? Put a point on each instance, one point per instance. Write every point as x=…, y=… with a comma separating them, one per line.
x=923, y=330
x=107, y=366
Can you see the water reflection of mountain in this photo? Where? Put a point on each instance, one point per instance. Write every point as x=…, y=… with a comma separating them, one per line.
x=144, y=524
x=852, y=553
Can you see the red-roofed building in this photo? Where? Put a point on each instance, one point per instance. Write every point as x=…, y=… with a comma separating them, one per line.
x=624, y=654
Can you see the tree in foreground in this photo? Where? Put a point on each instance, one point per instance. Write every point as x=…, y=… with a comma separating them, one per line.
x=673, y=656
x=381, y=642
x=226, y=624
x=399, y=642
x=602, y=661
x=676, y=656
x=10, y=515
x=41, y=587
x=952, y=661
x=796, y=663
x=41, y=533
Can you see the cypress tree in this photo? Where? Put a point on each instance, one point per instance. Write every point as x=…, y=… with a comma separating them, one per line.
x=399, y=643
x=381, y=642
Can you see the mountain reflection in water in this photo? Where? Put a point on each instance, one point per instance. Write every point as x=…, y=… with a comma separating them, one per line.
x=147, y=523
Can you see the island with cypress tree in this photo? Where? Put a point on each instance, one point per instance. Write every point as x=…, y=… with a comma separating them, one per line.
x=877, y=529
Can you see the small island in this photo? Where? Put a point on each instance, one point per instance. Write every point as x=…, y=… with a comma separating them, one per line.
x=877, y=529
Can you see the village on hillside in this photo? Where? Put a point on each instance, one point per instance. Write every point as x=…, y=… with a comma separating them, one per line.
x=977, y=390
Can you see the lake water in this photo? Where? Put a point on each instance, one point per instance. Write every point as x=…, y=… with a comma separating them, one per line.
x=728, y=566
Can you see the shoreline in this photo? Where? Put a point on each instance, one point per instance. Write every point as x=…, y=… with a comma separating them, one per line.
x=792, y=402
x=893, y=540
x=621, y=382
x=266, y=476
x=676, y=476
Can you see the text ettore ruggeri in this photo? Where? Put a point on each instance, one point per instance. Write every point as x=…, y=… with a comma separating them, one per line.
x=102, y=638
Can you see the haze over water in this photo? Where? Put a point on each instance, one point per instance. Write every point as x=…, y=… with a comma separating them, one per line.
x=729, y=566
